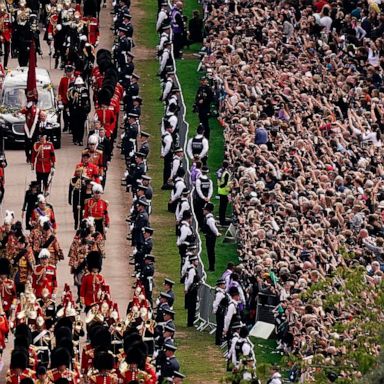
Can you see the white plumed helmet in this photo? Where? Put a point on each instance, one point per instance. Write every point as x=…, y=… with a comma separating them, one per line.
x=44, y=254
x=93, y=139
x=97, y=188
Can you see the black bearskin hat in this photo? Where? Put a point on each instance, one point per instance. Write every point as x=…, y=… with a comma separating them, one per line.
x=24, y=331
x=102, y=339
x=103, y=360
x=94, y=261
x=19, y=359
x=5, y=267
x=60, y=356
x=137, y=354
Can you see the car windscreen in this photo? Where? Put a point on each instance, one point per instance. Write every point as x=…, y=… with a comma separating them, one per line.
x=15, y=98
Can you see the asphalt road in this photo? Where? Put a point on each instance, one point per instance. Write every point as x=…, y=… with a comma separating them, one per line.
x=116, y=269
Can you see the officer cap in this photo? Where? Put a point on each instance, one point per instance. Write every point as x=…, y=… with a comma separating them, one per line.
x=137, y=98
x=220, y=282
x=178, y=149
x=205, y=169
x=133, y=115
x=169, y=281
x=123, y=29
x=237, y=325
x=170, y=328
x=127, y=15
x=186, y=191
x=169, y=346
x=209, y=207
x=149, y=257
x=142, y=187
x=202, y=78
x=175, y=89
x=167, y=43
x=129, y=53
x=5, y=267
x=164, y=4
x=165, y=296
x=143, y=203
x=148, y=230
x=166, y=27
x=193, y=258
x=69, y=68
x=192, y=247
x=145, y=177
x=140, y=154
x=135, y=76
x=178, y=374
x=171, y=72
x=145, y=134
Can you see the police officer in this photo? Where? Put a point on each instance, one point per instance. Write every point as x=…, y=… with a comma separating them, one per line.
x=165, y=59
x=203, y=194
x=186, y=236
x=191, y=287
x=177, y=161
x=223, y=190
x=121, y=48
x=146, y=276
x=232, y=315
x=168, y=86
x=79, y=107
x=146, y=181
x=161, y=306
x=240, y=348
x=142, y=221
x=131, y=130
x=203, y=100
x=198, y=146
x=182, y=205
x=131, y=91
x=168, y=287
x=170, y=364
x=136, y=171
x=219, y=308
x=178, y=188
x=166, y=154
x=144, y=248
x=211, y=233
x=162, y=17
x=144, y=143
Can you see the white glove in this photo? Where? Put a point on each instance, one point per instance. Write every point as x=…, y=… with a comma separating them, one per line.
x=52, y=171
x=106, y=229
x=53, y=296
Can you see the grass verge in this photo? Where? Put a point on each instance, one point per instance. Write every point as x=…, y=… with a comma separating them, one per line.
x=200, y=360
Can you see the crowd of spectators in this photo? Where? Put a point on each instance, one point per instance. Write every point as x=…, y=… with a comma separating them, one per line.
x=300, y=90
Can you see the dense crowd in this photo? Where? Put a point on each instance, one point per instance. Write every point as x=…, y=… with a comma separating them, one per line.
x=299, y=90
x=54, y=342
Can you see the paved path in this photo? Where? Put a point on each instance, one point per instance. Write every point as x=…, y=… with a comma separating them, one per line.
x=116, y=269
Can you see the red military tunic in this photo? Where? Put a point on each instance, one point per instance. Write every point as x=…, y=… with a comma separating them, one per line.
x=106, y=116
x=44, y=277
x=48, y=211
x=91, y=283
x=62, y=94
x=31, y=119
x=6, y=30
x=93, y=29
x=44, y=156
x=7, y=293
x=4, y=329
x=91, y=171
x=87, y=356
x=129, y=373
x=96, y=157
x=98, y=209
x=54, y=375
x=14, y=378
x=104, y=378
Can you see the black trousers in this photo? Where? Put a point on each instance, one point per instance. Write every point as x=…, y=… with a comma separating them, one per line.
x=219, y=328
x=77, y=215
x=182, y=253
x=210, y=243
x=7, y=49
x=77, y=126
x=42, y=178
x=178, y=43
x=198, y=205
x=204, y=121
x=66, y=119
x=223, y=208
x=190, y=304
x=167, y=169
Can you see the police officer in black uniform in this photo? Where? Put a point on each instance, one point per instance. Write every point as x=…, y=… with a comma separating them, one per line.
x=203, y=194
x=168, y=287
x=136, y=171
x=186, y=236
x=198, y=146
x=161, y=306
x=203, y=100
x=141, y=221
x=211, y=233
x=167, y=154
x=170, y=365
x=144, y=249
x=131, y=90
x=128, y=145
x=144, y=143
x=191, y=287
x=146, y=276
x=220, y=305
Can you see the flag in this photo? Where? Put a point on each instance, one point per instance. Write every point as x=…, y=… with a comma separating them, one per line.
x=31, y=79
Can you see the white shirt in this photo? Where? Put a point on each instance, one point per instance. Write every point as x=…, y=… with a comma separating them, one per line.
x=198, y=187
x=178, y=189
x=326, y=22
x=175, y=166
x=220, y=294
x=181, y=208
x=230, y=312
x=203, y=152
x=162, y=16
x=185, y=231
x=190, y=277
x=246, y=350
x=168, y=144
x=167, y=89
x=163, y=59
x=212, y=224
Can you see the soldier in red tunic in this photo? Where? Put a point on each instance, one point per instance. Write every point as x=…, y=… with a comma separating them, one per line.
x=103, y=372
x=105, y=113
x=97, y=208
x=96, y=156
x=18, y=368
x=90, y=170
x=7, y=287
x=43, y=160
x=92, y=281
x=92, y=25
x=62, y=94
x=5, y=32
x=44, y=276
x=60, y=362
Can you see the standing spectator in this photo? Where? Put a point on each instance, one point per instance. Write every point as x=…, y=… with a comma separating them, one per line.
x=195, y=28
